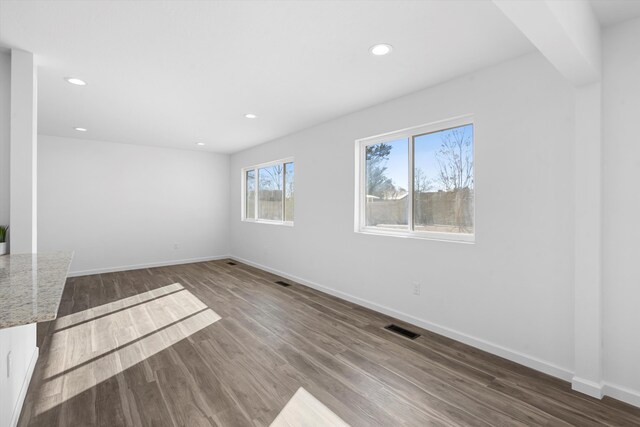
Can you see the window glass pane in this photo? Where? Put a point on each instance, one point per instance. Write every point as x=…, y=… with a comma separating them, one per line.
x=386, y=184
x=250, y=194
x=270, y=181
x=288, y=191
x=443, y=181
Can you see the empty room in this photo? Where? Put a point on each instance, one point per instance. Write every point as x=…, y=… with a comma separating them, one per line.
x=319, y=213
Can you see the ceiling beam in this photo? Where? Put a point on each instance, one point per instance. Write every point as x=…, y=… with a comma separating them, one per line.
x=567, y=33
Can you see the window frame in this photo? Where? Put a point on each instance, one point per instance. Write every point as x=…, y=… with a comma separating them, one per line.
x=410, y=134
x=256, y=168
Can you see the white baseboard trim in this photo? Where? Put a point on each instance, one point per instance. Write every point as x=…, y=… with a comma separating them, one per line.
x=599, y=390
x=147, y=265
x=17, y=410
x=498, y=350
x=588, y=387
x=624, y=394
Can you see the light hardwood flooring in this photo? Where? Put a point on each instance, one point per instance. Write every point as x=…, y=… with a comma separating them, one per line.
x=218, y=344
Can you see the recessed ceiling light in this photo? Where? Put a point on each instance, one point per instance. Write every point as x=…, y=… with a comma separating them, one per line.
x=80, y=129
x=381, y=49
x=199, y=143
x=250, y=116
x=75, y=81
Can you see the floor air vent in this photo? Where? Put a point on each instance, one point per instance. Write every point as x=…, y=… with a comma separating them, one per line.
x=402, y=331
x=281, y=283
x=231, y=263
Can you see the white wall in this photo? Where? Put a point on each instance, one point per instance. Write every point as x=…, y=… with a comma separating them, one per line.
x=23, y=177
x=121, y=206
x=621, y=206
x=511, y=291
x=5, y=115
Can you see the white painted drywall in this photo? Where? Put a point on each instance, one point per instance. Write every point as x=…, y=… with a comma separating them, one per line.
x=511, y=291
x=567, y=33
x=119, y=206
x=5, y=118
x=621, y=207
x=587, y=197
x=23, y=153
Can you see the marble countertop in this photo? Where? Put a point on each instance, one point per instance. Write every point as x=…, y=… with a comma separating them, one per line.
x=31, y=287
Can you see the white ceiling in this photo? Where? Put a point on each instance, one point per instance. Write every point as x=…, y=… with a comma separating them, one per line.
x=172, y=73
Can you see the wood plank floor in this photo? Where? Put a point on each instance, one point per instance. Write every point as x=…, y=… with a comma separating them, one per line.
x=218, y=344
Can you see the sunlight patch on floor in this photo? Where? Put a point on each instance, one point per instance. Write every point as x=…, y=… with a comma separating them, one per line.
x=86, y=340
x=93, y=351
x=305, y=410
x=101, y=310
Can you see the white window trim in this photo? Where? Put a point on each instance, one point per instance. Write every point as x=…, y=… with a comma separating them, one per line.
x=409, y=134
x=243, y=191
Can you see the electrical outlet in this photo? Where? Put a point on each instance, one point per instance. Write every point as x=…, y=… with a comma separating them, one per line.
x=416, y=288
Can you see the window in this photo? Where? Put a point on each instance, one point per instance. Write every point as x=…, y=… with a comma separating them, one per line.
x=270, y=184
x=387, y=202
x=418, y=182
x=250, y=194
x=268, y=194
x=288, y=192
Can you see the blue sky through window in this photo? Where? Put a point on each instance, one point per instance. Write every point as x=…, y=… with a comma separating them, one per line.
x=425, y=147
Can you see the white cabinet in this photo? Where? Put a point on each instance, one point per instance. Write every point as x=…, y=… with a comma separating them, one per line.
x=18, y=354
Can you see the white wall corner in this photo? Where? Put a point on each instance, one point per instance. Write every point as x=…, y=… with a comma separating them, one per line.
x=567, y=33
x=588, y=347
